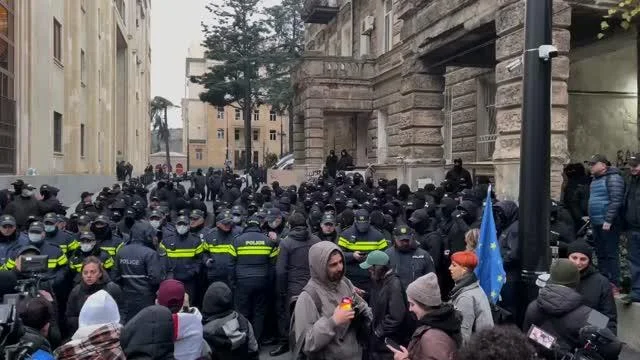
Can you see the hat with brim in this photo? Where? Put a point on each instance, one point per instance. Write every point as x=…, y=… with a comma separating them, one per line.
x=634, y=160
x=403, y=232
x=273, y=214
x=375, y=257
x=598, y=158
x=7, y=220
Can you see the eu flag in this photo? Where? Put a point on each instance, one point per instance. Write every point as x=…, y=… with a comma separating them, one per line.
x=489, y=271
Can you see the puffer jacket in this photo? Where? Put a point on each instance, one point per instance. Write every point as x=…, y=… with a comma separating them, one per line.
x=149, y=335
x=559, y=311
x=606, y=197
x=470, y=300
x=322, y=337
x=292, y=266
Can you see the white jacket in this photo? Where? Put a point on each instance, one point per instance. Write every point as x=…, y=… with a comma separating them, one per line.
x=189, y=344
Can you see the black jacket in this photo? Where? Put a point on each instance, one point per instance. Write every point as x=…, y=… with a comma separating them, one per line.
x=149, y=335
x=228, y=333
x=184, y=256
x=79, y=296
x=255, y=254
x=389, y=309
x=559, y=311
x=632, y=203
x=292, y=266
x=410, y=265
x=221, y=252
x=21, y=208
x=596, y=293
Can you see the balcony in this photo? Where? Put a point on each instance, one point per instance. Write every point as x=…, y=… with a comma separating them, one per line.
x=333, y=67
x=319, y=11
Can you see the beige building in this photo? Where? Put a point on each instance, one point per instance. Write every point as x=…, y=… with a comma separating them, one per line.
x=214, y=134
x=410, y=85
x=76, y=81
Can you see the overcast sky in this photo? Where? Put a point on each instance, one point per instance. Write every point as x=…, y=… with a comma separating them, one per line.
x=175, y=25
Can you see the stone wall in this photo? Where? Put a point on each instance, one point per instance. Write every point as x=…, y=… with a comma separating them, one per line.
x=339, y=134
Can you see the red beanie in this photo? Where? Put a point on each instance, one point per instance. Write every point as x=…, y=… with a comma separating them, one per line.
x=467, y=259
x=171, y=295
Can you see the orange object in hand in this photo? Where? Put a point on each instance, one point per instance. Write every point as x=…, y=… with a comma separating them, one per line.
x=346, y=304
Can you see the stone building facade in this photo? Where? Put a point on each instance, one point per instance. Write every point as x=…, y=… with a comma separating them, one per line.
x=79, y=78
x=415, y=84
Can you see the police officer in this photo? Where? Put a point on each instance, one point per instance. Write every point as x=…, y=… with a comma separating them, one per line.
x=88, y=247
x=256, y=255
x=184, y=255
x=407, y=259
x=106, y=239
x=138, y=269
x=8, y=239
x=328, y=231
x=23, y=205
x=61, y=238
x=57, y=262
x=238, y=215
x=197, y=226
x=86, y=204
x=275, y=225
x=356, y=242
x=219, y=258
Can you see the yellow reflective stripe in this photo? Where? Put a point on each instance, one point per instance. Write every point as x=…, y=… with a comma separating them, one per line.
x=62, y=260
x=10, y=265
x=362, y=245
x=275, y=252
x=120, y=246
x=222, y=249
x=109, y=263
x=52, y=264
x=109, y=249
x=74, y=245
x=76, y=267
x=201, y=248
x=254, y=250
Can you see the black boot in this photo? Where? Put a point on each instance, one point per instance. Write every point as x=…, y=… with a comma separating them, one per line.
x=282, y=349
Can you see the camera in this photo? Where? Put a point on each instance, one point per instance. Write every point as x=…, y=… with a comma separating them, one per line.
x=546, y=52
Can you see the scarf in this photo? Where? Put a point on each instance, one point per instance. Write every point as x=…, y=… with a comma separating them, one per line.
x=465, y=281
x=103, y=343
x=444, y=318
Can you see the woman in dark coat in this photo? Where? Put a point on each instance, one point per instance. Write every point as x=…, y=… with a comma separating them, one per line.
x=94, y=278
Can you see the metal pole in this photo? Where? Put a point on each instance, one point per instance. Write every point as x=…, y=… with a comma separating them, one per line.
x=281, y=137
x=535, y=152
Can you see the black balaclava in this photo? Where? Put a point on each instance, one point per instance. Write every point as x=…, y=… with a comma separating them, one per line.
x=403, y=192
x=345, y=219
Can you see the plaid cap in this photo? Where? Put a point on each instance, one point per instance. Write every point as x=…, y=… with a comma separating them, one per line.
x=196, y=214
x=7, y=220
x=402, y=232
x=87, y=235
x=598, y=158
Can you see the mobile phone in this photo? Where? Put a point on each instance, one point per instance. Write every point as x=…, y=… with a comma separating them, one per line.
x=541, y=337
x=392, y=343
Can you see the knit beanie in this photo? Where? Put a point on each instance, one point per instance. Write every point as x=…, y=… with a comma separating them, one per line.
x=564, y=272
x=425, y=290
x=171, y=295
x=99, y=309
x=467, y=259
x=580, y=247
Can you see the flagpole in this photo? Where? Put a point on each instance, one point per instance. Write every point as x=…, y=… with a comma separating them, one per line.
x=535, y=145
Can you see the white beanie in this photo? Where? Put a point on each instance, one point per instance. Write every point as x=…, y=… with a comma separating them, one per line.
x=99, y=309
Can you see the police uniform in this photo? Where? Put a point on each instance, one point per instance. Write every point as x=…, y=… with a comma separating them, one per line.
x=107, y=240
x=255, y=258
x=8, y=244
x=220, y=252
x=184, y=256
x=138, y=270
x=76, y=257
x=63, y=239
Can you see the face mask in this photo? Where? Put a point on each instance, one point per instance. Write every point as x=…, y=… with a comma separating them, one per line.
x=155, y=224
x=50, y=228
x=237, y=219
x=35, y=238
x=182, y=229
x=86, y=247
x=27, y=193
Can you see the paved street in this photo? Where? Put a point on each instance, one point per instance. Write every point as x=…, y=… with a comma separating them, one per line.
x=264, y=354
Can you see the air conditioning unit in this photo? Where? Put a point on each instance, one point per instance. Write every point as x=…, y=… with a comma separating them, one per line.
x=367, y=25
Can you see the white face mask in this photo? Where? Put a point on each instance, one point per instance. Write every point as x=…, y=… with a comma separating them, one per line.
x=35, y=238
x=27, y=193
x=50, y=228
x=237, y=219
x=182, y=229
x=155, y=224
x=87, y=246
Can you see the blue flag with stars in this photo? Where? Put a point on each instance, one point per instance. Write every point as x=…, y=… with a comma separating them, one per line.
x=490, y=271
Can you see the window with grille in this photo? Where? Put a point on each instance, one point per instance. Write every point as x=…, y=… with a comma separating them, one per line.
x=236, y=134
x=256, y=115
x=238, y=114
x=388, y=25
x=272, y=135
x=486, y=128
x=446, y=128
x=220, y=133
x=273, y=116
x=221, y=112
x=256, y=135
x=57, y=40
x=198, y=154
x=82, y=140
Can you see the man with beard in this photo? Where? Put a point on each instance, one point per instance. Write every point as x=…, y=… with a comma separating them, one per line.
x=408, y=260
x=292, y=273
x=323, y=326
x=356, y=242
x=388, y=305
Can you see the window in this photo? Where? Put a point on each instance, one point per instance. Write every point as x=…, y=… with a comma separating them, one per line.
x=272, y=135
x=272, y=116
x=221, y=112
x=255, y=157
x=238, y=114
x=388, y=25
x=83, y=68
x=256, y=115
x=236, y=134
x=57, y=40
x=57, y=132
x=256, y=134
x=198, y=154
x=81, y=140
x=220, y=133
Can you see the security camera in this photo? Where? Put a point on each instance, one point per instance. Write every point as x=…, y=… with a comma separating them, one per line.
x=546, y=52
x=514, y=64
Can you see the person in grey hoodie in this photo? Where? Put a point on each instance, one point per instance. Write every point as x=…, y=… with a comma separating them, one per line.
x=467, y=296
x=328, y=330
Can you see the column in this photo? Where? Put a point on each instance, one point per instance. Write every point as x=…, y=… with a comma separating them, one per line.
x=314, y=136
x=509, y=48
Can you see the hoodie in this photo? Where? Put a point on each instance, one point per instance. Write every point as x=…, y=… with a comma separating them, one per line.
x=315, y=326
x=227, y=332
x=292, y=266
x=149, y=335
x=188, y=344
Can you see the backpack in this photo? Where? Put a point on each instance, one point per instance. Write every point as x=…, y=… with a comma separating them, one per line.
x=296, y=347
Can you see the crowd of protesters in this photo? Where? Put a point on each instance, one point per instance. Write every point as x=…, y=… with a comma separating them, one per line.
x=335, y=268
